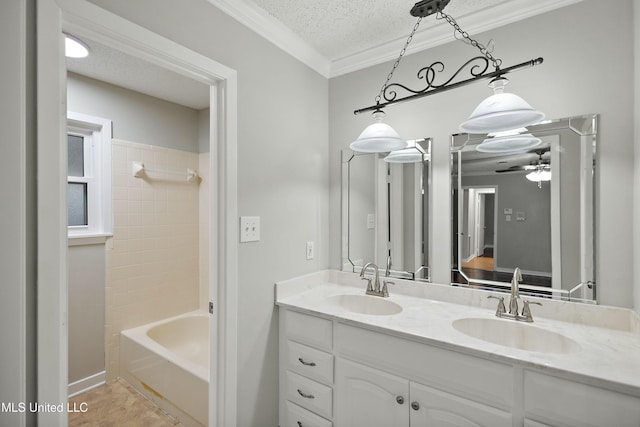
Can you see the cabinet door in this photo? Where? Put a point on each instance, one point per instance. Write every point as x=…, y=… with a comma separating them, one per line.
x=367, y=397
x=431, y=407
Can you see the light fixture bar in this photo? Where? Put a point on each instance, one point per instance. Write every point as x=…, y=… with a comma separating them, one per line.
x=446, y=87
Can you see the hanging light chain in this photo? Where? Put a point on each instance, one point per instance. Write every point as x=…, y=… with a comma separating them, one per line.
x=395, y=65
x=483, y=49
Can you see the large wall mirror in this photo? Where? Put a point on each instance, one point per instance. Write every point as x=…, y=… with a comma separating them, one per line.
x=385, y=212
x=534, y=210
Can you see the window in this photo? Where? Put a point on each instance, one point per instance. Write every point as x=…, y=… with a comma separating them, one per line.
x=89, y=176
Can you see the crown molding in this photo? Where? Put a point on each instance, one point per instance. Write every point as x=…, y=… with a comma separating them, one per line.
x=258, y=20
x=270, y=28
x=441, y=33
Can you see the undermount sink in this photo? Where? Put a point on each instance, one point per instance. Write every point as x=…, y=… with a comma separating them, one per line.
x=517, y=335
x=365, y=304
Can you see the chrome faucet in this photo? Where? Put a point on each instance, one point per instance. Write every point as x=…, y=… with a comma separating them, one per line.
x=515, y=291
x=374, y=289
x=513, y=302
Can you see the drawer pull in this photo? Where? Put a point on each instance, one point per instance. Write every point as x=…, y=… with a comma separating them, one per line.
x=306, y=363
x=400, y=400
x=306, y=396
x=415, y=406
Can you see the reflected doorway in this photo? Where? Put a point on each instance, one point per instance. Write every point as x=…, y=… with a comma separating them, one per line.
x=479, y=227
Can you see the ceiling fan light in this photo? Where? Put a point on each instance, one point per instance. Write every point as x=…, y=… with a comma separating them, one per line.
x=539, y=175
x=378, y=138
x=501, y=112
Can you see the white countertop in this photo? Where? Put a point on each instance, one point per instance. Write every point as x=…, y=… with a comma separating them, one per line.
x=609, y=337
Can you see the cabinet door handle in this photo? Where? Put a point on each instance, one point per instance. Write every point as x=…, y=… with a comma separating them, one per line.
x=306, y=396
x=306, y=363
x=415, y=406
x=400, y=400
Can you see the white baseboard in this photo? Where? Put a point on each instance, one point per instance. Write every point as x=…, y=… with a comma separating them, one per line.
x=88, y=383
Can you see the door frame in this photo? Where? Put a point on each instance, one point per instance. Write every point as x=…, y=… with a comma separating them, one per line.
x=84, y=18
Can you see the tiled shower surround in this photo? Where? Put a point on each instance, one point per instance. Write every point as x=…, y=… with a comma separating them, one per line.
x=153, y=258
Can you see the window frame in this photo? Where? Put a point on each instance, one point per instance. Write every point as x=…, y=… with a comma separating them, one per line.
x=96, y=132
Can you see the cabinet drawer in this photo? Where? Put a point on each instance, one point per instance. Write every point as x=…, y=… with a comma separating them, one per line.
x=309, y=394
x=471, y=377
x=300, y=417
x=310, y=362
x=310, y=330
x=555, y=401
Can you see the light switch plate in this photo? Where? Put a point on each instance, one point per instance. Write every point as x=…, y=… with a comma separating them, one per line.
x=310, y=250
x=249, y=229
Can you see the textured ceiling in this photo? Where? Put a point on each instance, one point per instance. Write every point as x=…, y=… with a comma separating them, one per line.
x=339, y=28
x=331, y=36
x=112, y=66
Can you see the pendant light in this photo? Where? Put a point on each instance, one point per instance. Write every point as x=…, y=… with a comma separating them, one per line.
x=501, y=111
x=378, y=137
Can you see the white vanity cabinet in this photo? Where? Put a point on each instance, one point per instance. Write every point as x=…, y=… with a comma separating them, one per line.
x=339, y=373
x=368, y=397
x=333, y=374
x=306, y=370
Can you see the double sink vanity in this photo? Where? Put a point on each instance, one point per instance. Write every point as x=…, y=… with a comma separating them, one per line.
x=439, y=355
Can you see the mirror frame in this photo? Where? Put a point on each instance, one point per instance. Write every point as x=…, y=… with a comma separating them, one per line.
x=423, y=145
x=584, y=126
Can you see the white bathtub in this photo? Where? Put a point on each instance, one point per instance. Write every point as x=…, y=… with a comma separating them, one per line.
x=168, y=361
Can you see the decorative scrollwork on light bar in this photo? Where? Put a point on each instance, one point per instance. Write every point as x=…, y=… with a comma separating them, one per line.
x=429, y=73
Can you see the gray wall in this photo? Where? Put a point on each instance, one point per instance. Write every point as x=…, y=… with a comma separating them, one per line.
x=18, y=209
x=567, y=84
x=282, y=174
x=86, y=311
x=135, y=117
x=636, y=186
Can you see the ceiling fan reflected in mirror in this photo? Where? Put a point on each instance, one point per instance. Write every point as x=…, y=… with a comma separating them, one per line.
x=539, y=171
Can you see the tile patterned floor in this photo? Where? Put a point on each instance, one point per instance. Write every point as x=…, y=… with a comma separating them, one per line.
x=117, y=404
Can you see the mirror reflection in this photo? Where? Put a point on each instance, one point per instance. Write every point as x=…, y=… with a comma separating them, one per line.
x=532, y=209
x=385, y=211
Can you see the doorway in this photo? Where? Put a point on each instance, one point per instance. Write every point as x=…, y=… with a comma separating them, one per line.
x=84, y=19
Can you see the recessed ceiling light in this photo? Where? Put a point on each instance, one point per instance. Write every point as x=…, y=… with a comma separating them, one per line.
x=74, y=48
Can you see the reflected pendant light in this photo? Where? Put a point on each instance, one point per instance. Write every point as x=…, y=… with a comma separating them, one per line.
x=501, y=111
x=411, y=154
x=509, y=142
x=378, y=137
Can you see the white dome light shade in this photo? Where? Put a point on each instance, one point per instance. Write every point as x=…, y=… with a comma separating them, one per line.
x=538, y=175
x=378, y=138
x=407, y=155
x=508, y=144
x=74, y=48
x=501, y=111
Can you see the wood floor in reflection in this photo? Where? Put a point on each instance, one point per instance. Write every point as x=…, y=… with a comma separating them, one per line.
x=117, y=404
x=480, y=263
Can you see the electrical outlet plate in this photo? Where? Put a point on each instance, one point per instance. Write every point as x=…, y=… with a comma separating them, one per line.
x=249, y=229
